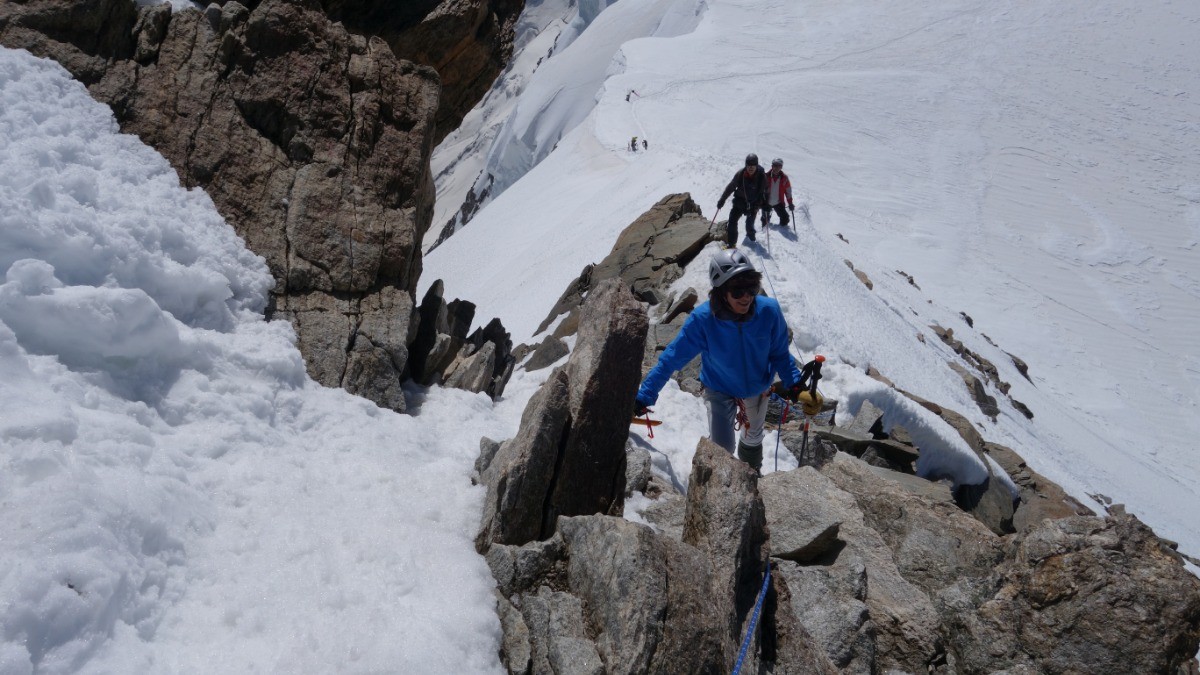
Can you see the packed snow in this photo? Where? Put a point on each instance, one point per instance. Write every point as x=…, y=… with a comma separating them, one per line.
x=560, y=64
x=181, y=497
x=1030, y=165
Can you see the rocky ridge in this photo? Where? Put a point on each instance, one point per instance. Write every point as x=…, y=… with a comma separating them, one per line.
x=312, y=140
x=468, y=43
x=873, y=568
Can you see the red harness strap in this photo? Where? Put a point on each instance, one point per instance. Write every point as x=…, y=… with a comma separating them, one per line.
x=743, y=420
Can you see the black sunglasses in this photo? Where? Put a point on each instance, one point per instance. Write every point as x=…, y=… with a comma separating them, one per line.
x=740, y=292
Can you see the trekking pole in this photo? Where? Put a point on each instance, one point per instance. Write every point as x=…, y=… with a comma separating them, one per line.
x=792, y=207
x=804, y=443
x=714, y=222
x=779, y=432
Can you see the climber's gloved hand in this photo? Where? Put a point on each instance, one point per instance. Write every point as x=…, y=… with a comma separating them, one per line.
x=790, y=394
x=720, y=204
x=640, y=408
x=811, y=402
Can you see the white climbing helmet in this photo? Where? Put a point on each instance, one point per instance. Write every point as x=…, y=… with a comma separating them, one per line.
x=777, y=162
x=727, y=264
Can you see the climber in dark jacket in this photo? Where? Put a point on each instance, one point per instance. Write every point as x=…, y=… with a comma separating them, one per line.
x=749, y=190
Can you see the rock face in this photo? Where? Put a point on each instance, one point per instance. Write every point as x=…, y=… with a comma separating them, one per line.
x=312, y=141
x=977, y=387
x=868, y=577
x=568, y=457
x=992, y=502
x=917, y=585
x=900, y=619
x=443, y=353
x=468, y=42
x=647, y=257
x=547, y=352
x=1041, y=498
x=644, y=602
x=725, y=519
x=635, y=600
x=1090, y=595
x=874, y=570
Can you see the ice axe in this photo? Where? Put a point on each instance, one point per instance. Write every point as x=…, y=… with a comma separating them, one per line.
x=645, y=421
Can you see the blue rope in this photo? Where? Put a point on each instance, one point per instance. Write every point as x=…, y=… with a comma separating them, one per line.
x=762, y=594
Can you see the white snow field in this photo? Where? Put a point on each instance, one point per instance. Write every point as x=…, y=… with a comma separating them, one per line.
x=1032, y=164
x=179, y=497
x=560, y=61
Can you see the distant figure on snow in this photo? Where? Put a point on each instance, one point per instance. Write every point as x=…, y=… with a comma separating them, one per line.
x=633, y=144
x=742, y=340
x=779, y=188
x=627, y=96
x=645, y=144
x=749, y=188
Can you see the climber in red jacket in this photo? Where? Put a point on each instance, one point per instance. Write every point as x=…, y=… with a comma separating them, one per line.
x=779, y=190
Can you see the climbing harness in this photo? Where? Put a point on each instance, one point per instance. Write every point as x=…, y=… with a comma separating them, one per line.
x=743, y=419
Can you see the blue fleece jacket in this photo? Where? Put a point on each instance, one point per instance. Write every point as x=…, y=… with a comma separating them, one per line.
x=738, y=357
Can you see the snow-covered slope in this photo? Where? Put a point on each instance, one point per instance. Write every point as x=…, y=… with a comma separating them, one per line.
x=563, y=52
x=178, y=495
x=1030, y=164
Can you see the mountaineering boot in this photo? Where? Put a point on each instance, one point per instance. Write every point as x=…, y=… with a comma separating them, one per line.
x=751, y=454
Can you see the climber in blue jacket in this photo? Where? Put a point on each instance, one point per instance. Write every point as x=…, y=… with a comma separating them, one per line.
x=742, y=339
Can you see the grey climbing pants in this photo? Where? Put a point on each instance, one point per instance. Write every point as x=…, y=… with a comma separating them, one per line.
x=722, y=417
